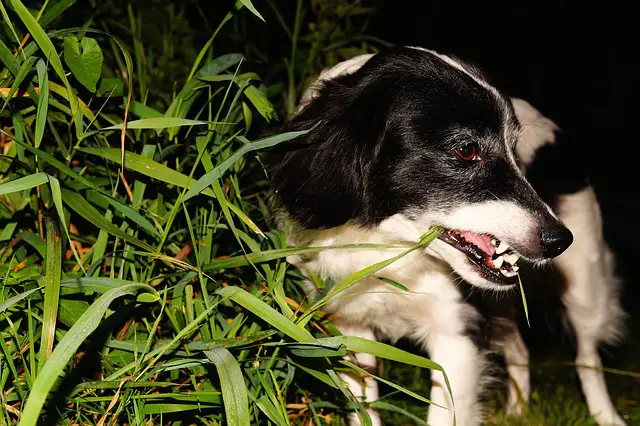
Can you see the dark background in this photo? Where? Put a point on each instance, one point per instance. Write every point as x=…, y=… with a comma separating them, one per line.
x=576, y=62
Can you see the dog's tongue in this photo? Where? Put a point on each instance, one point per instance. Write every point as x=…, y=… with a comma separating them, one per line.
x=483, y=242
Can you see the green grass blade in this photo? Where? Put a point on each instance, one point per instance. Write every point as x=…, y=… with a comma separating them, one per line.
x=157, y=123
x=251, y=7
x=34, y=241
x=145, y=166
x=354, y=278
x=266, y=313
x=25, y=69
x=216, y=173
x=268, y=255
x=54, y=11
x=15, y=299
x=383, y=405
x=43, y=101
x=51, y=291
x=268, y=408
x=363, y=415
x=56, y=194
x=49, y=50
x=234, y=390
x=389, y=383
x=130, y=213
x=24, y=183
x=382, y=350
x=97, y=284
x=68, y=346
x=81, y=206
x=524, y=301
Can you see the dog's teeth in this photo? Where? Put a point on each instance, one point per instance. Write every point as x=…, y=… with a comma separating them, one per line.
x=494, y=242
x=508, y=273
x=515, y=268
x=502, y=247
x=497, y=263
x=511, y=258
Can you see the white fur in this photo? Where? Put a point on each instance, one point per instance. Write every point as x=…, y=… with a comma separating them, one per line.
x=433, y=312
x=516, y=356
x=346, y=67
x=364, y=389
x=537, y=130
x=591, y=299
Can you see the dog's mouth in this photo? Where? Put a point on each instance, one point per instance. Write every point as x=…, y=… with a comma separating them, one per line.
x=494, y=259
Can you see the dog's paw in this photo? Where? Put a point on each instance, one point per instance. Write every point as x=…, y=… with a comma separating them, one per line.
x=515, y=408
x=609, y=419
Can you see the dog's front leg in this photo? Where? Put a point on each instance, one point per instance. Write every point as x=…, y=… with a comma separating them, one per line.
x=463, y=364
x=365, y=389
x=516, y=358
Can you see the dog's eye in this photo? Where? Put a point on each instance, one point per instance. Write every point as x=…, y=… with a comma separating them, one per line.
x=469, y=152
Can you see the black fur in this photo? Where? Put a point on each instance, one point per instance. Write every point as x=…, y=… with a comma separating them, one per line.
x=557, y=169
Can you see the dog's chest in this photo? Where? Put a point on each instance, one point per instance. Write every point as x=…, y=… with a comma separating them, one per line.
x=415, y=294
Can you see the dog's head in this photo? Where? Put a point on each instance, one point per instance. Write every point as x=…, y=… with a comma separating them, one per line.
x=417, y=135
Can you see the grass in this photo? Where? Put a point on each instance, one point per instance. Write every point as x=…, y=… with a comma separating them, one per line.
x=143, y=281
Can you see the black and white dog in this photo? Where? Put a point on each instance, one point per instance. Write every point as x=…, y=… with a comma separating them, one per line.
x=408, y=139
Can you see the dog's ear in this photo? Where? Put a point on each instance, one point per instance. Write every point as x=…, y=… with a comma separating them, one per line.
x=322, y=179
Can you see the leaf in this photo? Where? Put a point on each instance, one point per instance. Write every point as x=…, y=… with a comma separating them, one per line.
x=25, y=69
x=381, y=350
x=130, y=213
x=243, y=217
x=67, y=348
x=315, y=350
x=43, y=101
x=71, y=310
x=249, y=5
x=145, y=166
x=396, y=284
x=15, y=299
x=8, y=230
x=81, y=206
x=110, y=86
x=97, y=284
x=261, y=103
x=56, y=194
x=53, y=270
x=382, y=405
x=216, y=173
x=84, y=58
x=365, y=373
x=157, y=123
x=21, y=184
x=266, y=313
x=34, y=240
x=524, y=301
x=269, y=409
x=45, y=44
x=234, y=390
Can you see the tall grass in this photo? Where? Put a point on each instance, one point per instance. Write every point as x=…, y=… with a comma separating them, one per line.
x=142, y=279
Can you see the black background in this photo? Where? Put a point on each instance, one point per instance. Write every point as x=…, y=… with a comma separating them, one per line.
x=576, y=62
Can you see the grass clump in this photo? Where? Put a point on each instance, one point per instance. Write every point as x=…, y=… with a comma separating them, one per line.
x=142, y=280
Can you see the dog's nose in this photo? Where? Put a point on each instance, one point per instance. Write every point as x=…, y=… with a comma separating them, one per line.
x=555, y=240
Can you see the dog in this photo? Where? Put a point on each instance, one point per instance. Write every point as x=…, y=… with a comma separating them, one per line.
x=408, y=139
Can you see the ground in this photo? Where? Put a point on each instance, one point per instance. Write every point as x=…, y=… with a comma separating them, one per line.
x=556, y=398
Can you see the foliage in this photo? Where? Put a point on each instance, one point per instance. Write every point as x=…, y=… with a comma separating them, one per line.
x=142, y=279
